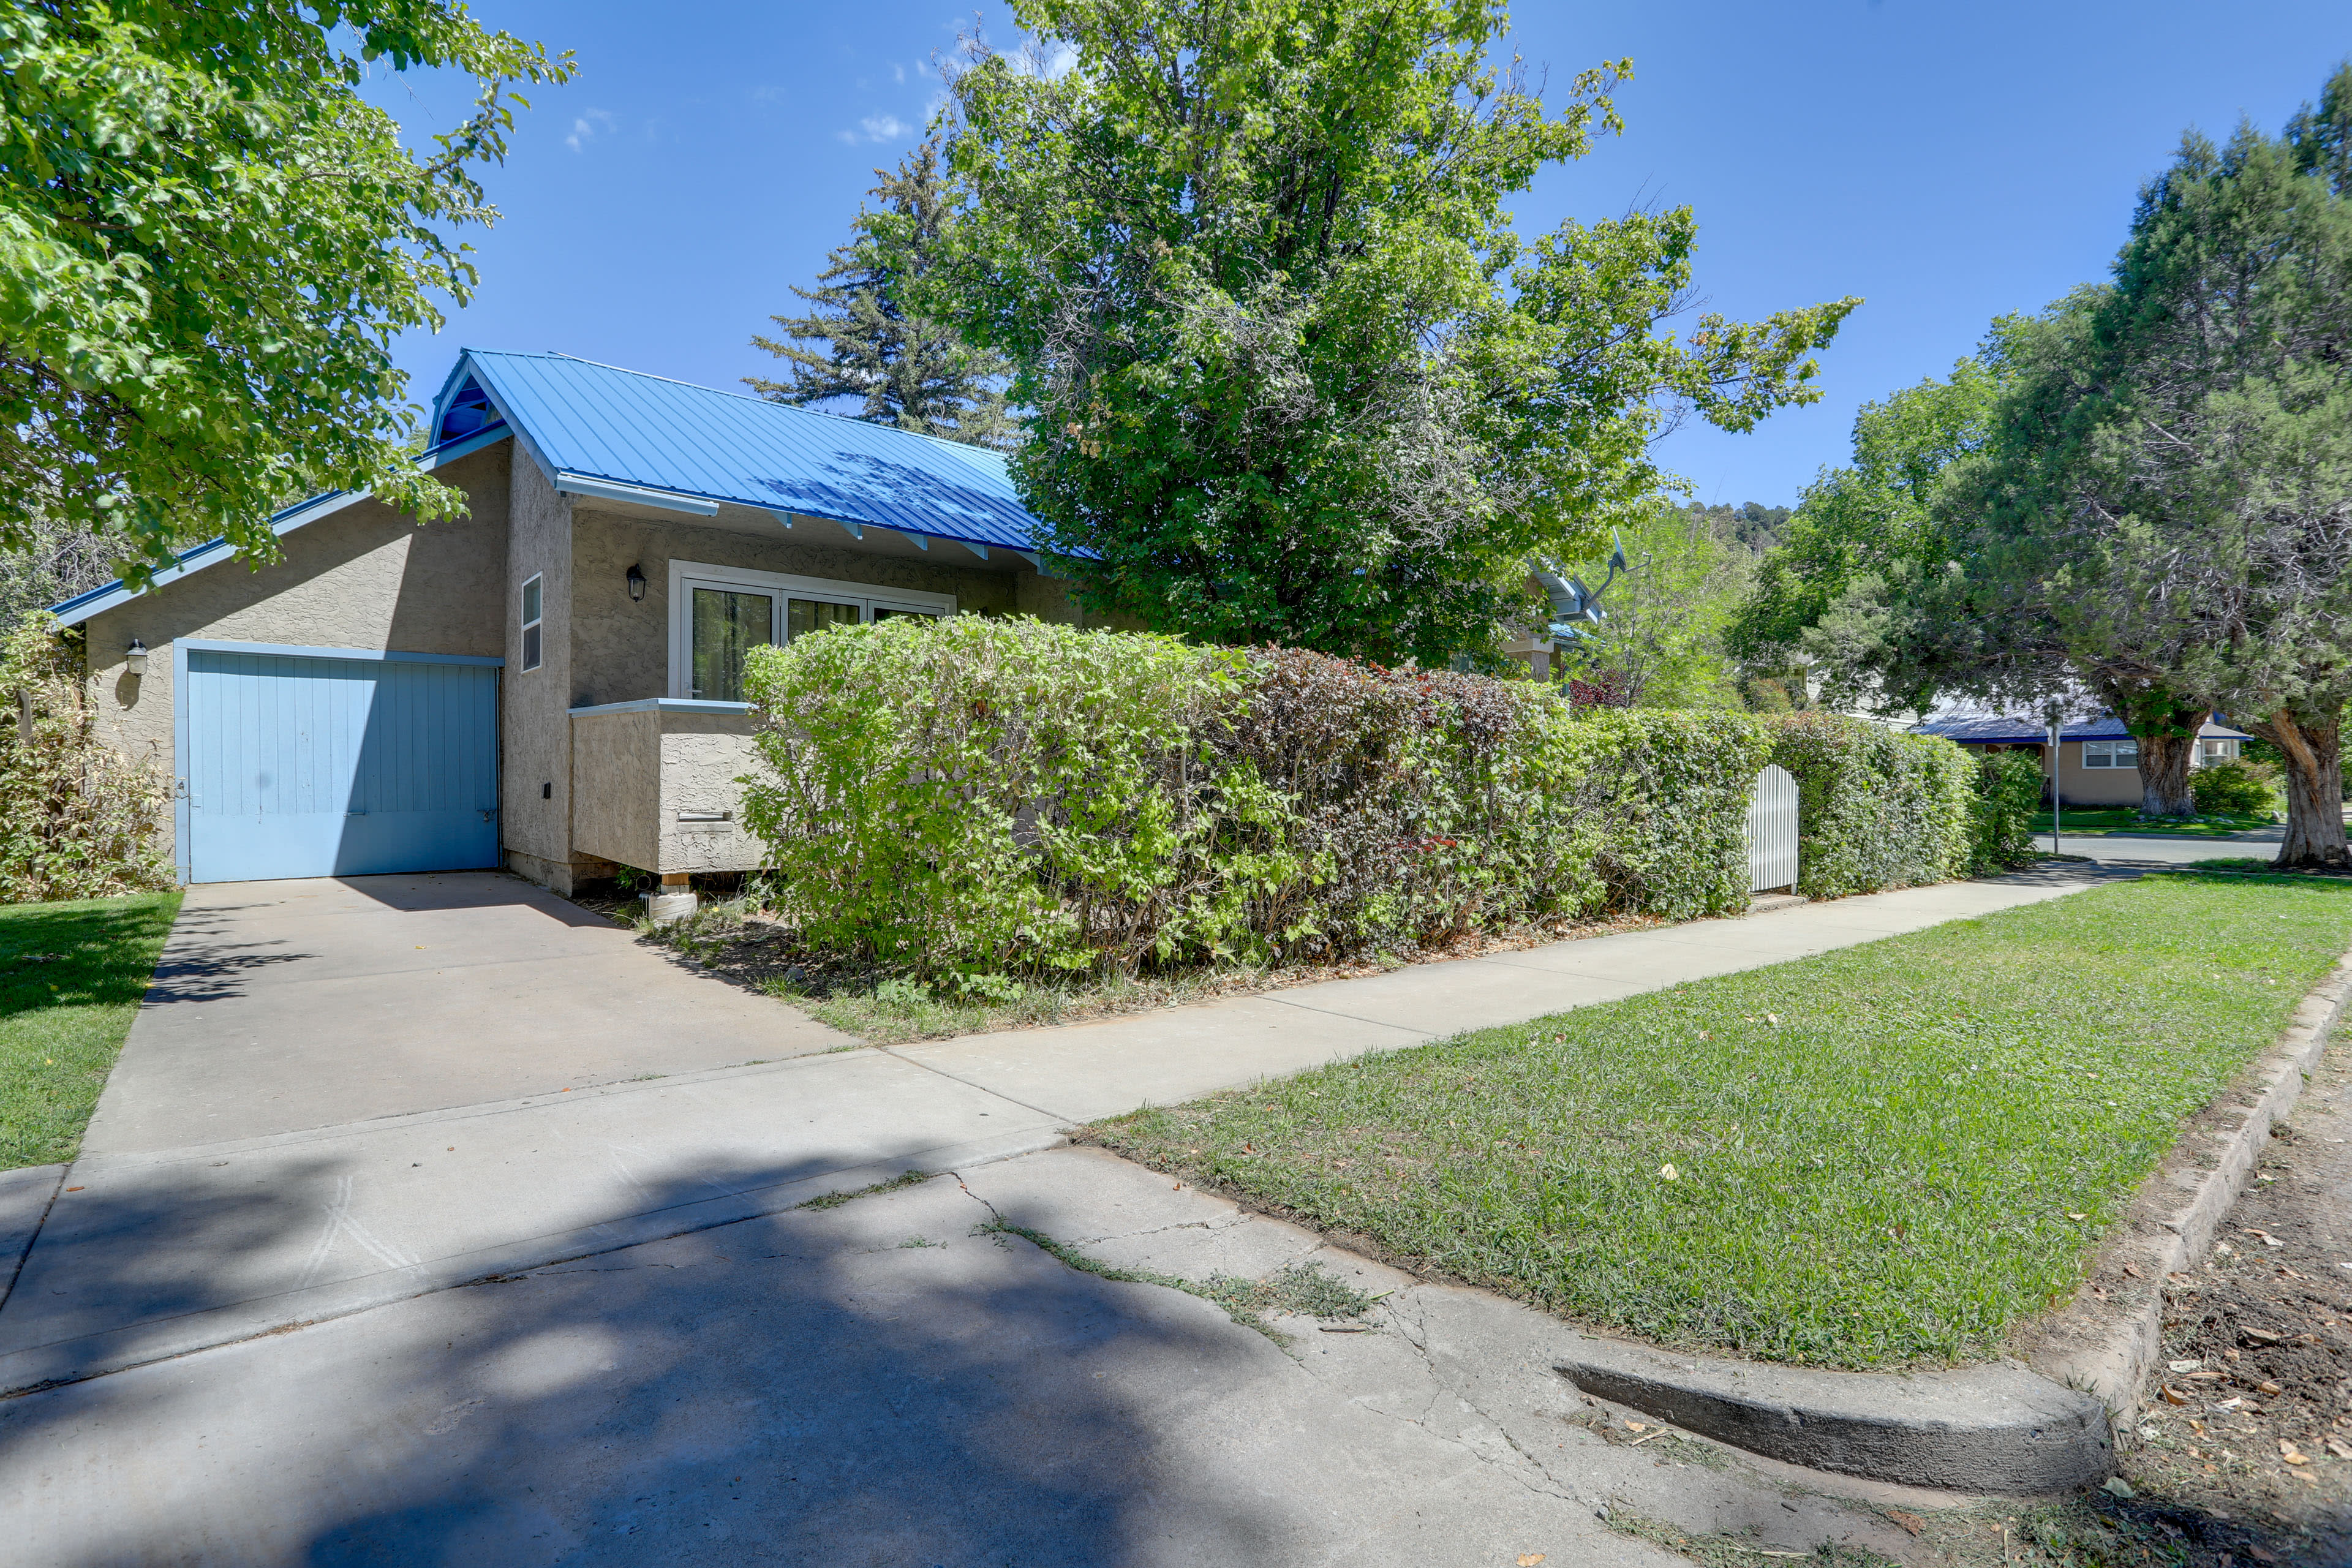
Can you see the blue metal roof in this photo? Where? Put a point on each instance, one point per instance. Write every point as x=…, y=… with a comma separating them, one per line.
x=600, y=430
x=625, y=427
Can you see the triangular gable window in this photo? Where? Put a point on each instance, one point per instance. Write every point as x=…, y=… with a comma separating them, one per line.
x=467, y=412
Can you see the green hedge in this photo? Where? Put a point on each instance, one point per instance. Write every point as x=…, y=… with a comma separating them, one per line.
x=1875, y=809
x=977, y=795
x=2008, y=794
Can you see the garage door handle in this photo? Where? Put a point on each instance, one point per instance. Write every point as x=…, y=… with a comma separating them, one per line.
x=489, y=814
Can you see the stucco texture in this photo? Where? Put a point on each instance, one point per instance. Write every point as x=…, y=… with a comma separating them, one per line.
x=536, y=731
x=2079, y=786
x=621, y=646
x=364, y=578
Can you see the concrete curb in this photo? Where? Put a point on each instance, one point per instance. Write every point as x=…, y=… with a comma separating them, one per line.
x=2042, y=1425
x=1994, y=1428
x=74, y=1359
x=2107, y=1340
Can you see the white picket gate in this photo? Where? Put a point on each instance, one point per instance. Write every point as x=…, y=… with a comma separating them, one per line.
x=1772, y=830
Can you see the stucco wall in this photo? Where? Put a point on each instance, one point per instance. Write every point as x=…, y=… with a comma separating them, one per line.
x=634, y=773
x=2079, y=786
x=621, y=646
x=364, y=578
x=535, y=741
x=616, y=764
x=702, y=756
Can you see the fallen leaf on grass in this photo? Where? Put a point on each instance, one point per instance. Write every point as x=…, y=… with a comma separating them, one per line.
x=2174, y=1396
x=2291, y=1454
x=2117, y=1487
x=2269, y=1385
x=1669, y=1172
x=1909, y=1521
x=2074, y=1216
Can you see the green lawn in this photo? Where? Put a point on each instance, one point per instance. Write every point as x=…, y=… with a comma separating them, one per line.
x=2126, y=819
x=1884, y=1155
x=71, y=979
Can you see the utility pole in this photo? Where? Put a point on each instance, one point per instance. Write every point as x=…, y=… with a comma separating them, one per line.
x=2057, y=728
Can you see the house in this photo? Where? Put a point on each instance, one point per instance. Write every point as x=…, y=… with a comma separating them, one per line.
x=2098, y=761
x=553, y=683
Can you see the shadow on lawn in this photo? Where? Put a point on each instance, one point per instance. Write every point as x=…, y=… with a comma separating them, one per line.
x=806, y=1387
x=61, y=955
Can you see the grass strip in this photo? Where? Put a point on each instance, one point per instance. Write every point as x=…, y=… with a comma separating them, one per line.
x=835, y=1200
x=1301, y=1288
x=1880, y=1156
x=71, y=976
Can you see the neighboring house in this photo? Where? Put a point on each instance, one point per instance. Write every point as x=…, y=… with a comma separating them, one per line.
x=553, y=683
x=2098, y=761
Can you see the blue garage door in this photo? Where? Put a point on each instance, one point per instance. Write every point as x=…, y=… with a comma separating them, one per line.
x=305, y=766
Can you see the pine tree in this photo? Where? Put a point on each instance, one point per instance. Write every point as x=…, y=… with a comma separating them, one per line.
x=908, y=372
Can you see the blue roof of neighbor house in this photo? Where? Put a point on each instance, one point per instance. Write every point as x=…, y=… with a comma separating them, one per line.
x=601, y=430
x=1977, y=728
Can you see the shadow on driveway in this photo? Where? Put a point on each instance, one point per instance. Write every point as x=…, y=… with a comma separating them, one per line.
x=872, y=1383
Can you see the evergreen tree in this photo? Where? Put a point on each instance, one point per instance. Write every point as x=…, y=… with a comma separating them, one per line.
x=905, y=370
x=2161, y=508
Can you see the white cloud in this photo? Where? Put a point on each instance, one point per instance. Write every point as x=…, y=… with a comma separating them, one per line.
x=587, y=128
x=898, y=72
x=884, y=127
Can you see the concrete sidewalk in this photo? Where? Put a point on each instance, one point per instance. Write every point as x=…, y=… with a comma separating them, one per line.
x=876, y=1382
x=150, y=1253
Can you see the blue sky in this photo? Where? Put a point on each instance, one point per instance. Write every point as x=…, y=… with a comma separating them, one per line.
x=1947, y=162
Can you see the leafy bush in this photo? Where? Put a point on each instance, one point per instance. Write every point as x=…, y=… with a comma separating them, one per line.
x=77, y=818
x=1673, y=792
x=1874, y=808
x=1418, y=803
x=2231, y=789
x=975, y=797
x=981, y=794
x=2008, y=794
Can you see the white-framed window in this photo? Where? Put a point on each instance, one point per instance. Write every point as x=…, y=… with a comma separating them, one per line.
x=2111, y=753
x=531, y=623
x=2212, y=754
x=718, y=615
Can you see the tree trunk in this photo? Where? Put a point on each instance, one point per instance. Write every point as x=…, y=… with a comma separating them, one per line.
x=2312, y=748
x=2164, y=762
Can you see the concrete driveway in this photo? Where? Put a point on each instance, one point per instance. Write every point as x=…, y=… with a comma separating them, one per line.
x=279, y=1006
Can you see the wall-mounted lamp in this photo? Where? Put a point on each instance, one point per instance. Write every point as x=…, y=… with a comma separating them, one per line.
x=637, y=583
x=134, y=658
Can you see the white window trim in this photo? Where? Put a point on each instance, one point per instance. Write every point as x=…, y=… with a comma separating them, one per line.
x=868, y=597
x=522, y=638
x=2108, y=753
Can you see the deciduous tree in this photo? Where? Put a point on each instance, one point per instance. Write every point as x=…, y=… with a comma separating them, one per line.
x=208, y=239
x=1295, y=377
